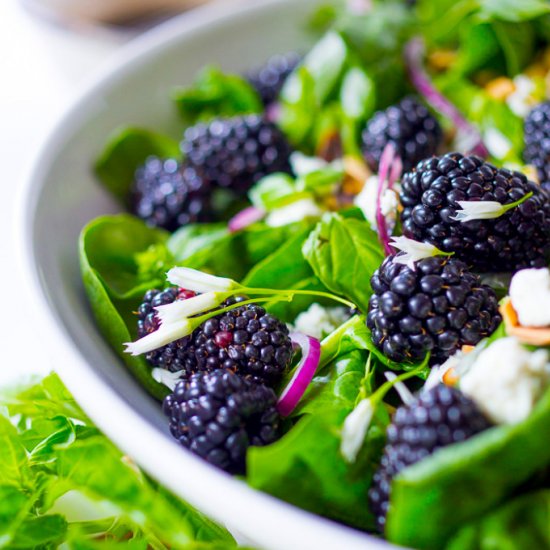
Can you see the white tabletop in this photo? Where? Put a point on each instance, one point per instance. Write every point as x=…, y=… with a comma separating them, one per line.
x=42, y=66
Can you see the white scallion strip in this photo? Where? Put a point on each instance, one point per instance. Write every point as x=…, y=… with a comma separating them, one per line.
x=160, y=337
x=406, y=395
x=197, y=281
x=181, y=309
x=413, y=251
x=355, y=429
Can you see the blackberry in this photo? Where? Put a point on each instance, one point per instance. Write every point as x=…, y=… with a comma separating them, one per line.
x=537, y=141
x=246, y=339
x=235, y=153
x=409, y=125
x=174, y=356
x=218, y=415
x=518, y=239
x=437, y=307
x=439, y=417
x=168, y=195
x=269, y=79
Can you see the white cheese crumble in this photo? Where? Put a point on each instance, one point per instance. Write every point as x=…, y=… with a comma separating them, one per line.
x=506, y=380
x=530, y=297
x=520, y=100
x=356, y=426
x=318, y=321
x=366, y=201
x=293, y=212
x=497, y=143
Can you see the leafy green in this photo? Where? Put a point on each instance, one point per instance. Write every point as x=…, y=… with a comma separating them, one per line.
x=457, y=484
x=344, y=253
x=125, y=151
x=34, y=483
x=524, y=522
x=111, y=275
x=216, y=94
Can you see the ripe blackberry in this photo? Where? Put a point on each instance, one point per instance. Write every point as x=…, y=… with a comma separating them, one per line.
x=174, y=356
x=235, y=153
x=218, y=415
x=537, y=141
x=437, y=307
x=409, y=125
x=168, y=195
x=437, y=418
x=518, y=239
x=246, y=339
x=268, y=79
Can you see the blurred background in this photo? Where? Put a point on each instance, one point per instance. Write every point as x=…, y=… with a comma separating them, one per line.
x=50, y=48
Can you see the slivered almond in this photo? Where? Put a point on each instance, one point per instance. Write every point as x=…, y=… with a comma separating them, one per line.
x=450, y=377
x=534, y=336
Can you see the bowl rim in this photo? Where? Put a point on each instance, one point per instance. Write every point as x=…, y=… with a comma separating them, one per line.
x=270, y=513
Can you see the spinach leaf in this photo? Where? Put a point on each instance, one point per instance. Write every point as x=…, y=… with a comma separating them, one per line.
x=191, y=239
x=216, y=94
x=111, y=280
x=344, y=253
x=305, y=468
x=124, y=152
x=113, y=245
x=459, y=483
x=521, y=523
x=510, y=10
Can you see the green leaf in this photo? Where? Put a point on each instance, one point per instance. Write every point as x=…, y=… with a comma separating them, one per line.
x=357, y=95
x=344, y=253
x=216, y=94
x=125, y=151
x=110, y=275
x=306, y=468
x=517, y=41
x=521, y=523
x=272, y=190
x=459, y=483
x=193, y=238
x=40, y=532
x=14, y=464
x=512, y=10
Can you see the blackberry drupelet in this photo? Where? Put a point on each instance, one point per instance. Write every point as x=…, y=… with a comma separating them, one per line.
x=218, y=415
x=537, y=141
x=439, y=417
x=235, y=153
x=437, y=308
x=246, y=339
x=174, y=356
x=518, y=239
x=168, y=195
x=409, y=125
x=269, y=79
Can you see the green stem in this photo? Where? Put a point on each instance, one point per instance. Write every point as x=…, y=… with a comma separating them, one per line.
x=506, y=207
x=381, y=392
x=294, y=292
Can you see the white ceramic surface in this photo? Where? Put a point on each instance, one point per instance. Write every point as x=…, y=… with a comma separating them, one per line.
x=62, y=195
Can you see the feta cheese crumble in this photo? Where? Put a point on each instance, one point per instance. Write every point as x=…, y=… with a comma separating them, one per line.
x=506, y=380
x=530, y=296
x=366, y=201
x=319, y=321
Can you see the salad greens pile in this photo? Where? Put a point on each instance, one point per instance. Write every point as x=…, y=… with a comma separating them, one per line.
x=63, y=483
x=476, y=494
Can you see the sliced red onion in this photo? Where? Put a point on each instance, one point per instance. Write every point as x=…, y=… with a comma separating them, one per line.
x=389, y=170
x=244, y=218
x=273, y=111
x=305, y=370
x=414, y=52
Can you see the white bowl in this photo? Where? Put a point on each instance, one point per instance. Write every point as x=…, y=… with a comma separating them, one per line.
x=62, y=196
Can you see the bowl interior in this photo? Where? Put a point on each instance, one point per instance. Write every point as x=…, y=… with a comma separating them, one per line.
x=63, y=196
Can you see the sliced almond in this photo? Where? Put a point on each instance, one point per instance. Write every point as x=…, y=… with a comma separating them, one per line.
x=534, y=336
x=450, y=378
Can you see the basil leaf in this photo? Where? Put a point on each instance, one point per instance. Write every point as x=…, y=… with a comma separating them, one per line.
x=521, y=523
x=124, y=152
x=216, y=94
x=344, y=253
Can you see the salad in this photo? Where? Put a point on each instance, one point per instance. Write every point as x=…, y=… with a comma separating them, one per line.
x=335, y=279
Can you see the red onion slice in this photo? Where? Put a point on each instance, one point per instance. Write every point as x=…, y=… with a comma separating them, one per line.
x=414, y=52
x=389, y=170
x=305, y=371
x=244, y=218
